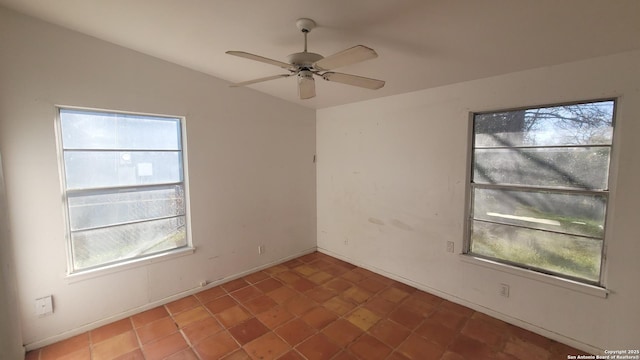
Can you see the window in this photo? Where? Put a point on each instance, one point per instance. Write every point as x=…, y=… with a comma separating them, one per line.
x=539, y=188
x=124, y=186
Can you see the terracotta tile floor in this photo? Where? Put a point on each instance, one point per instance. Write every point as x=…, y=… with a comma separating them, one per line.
x=314, y=307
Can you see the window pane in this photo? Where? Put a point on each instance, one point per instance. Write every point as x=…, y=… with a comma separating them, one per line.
x=98, y=130
x=579, y=124
x=564, y=254
x=567, y=213
x=111, y=207
x=101, y=246
x=94, y=169
x=581, y=168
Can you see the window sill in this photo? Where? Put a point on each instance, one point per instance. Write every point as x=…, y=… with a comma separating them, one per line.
x=129, y=264
x=548, y=279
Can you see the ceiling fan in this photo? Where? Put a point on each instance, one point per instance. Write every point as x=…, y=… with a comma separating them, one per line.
x=304, y=65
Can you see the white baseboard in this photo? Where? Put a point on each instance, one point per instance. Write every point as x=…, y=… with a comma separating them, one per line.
x=495, y=314
x=94, y=325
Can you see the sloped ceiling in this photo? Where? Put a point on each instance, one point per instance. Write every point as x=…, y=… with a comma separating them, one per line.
x=421, y=44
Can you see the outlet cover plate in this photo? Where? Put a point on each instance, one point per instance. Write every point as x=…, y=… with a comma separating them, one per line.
x=44, y=306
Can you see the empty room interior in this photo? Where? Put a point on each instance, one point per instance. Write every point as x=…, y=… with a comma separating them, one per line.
x=319, y=180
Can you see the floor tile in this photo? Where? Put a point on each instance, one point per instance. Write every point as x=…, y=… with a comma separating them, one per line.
x=321, y=294
x=363, y=318
x=291, y=355
x=342, y=332
x=288, y=277
x=248, y=331
x=305, y=270
x=108, y=331
x=33, y=355
x=456, y=308
x=275, y=269
x=282, y=294
x=232, y=316
x=164, y=347
x=299, y=305
x=370, y=348
x=186, y=354
x=339, y=306
x=157, y=329
x=380, y=305
x=65, y=347
x=182, y=304
x=338, y=285
x=148, y=316
x=406, y=317
x=417, y=347
x=268, y=285
x=524, y=350
x=319, y=317
x=437, y=333
x=220, y=304
x=133, y=355
x=216, y=346
x=192, y=315
x=234, y=285
x=468, y=348
x=260, y=304
x=200, y=330
x=246, y=293
x=266, y=347
x=448, y=318
x=352, y=276
x=313, y=307
x=389, y=332
x=210, y=294
x=483, y=332
x=318, y=347
x=237, y=355
x=256, y=277
x=345, y=355
x=115, y=346
x=394, y=294
x=320, y=277
x=372, y=285
x=356, y=295
x=303, y=285
x=295, y=331
x=274, y=317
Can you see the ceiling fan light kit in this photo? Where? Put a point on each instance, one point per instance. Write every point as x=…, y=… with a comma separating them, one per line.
x=304, y=65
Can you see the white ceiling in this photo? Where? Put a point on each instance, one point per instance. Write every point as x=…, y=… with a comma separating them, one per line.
x=421, y=44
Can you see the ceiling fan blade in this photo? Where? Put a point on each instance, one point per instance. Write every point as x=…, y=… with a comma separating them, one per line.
x=249, y=82
x=346, y=57
x=306, y=87
x=262, y=59
x=354, y=80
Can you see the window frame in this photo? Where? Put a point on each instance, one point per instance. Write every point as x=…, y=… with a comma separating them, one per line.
x=607, y=193
x=117, y=265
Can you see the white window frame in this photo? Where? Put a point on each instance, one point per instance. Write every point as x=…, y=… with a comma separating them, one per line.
x=589, y=287
x=117, y=265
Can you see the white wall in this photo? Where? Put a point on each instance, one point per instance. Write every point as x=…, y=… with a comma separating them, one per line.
x=391, y=184
x=251, y=175
x=10, y=327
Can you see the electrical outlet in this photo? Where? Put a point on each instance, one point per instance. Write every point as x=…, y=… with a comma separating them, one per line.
x=450, y=246
x=346, y=241
x=44, y=306
x=504, y=290
x=260, y=249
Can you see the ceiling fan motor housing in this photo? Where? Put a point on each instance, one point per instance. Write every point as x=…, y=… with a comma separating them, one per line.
x=304, y=59
x=305, y=74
